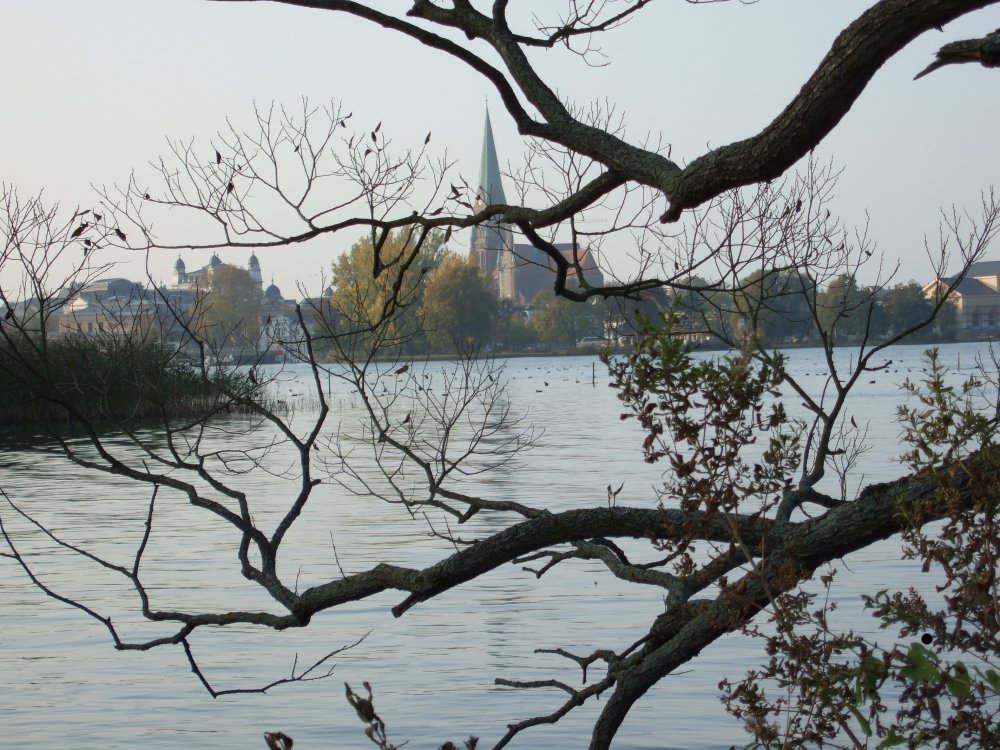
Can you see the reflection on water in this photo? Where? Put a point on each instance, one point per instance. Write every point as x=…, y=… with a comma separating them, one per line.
x=432, y=669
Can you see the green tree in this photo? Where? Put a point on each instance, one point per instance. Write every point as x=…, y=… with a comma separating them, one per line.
x=227, y=314
x=775, y=307
x=845, y=310
x=699, y=304
x=512, y=331
x=904, y=307
x=945, y=326
x=562, y=322
x=459, y=307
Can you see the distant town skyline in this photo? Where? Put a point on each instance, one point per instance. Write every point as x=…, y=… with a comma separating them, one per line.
x=94, y=89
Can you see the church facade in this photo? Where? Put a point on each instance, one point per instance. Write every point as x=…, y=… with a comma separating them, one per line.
x=519, y=271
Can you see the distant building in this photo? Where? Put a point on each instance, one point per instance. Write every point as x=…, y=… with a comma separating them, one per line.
x=976, y=299
x=110, y=307
x=202, y=277
x=519, y=271
x=280, y=332
x=120, y=307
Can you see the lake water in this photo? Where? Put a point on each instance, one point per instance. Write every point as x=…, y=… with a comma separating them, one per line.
x=432, y=669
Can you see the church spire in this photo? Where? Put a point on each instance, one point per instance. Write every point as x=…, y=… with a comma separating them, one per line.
x=492, y=243
x=490, y=185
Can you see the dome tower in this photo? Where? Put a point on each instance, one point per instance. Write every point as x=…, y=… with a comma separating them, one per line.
x=180, y=272
x=254, y=267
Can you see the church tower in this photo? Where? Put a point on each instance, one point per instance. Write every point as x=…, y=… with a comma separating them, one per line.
x=492, y=243
x=254, y=268
x=180, y=272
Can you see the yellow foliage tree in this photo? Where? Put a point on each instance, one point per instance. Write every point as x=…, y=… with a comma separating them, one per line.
x=227, y=314
x=459, y=306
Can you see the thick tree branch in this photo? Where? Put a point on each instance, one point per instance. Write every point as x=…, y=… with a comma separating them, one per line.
x=792, y=556
x=520, y=539
x=856, y=55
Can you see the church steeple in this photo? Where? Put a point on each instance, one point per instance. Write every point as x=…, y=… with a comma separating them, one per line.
x=492, y=243
x=490, y=185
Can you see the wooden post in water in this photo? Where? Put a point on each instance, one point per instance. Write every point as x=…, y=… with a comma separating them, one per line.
x=593, y=374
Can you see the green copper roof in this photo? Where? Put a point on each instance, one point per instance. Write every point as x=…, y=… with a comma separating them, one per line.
x=490, y=186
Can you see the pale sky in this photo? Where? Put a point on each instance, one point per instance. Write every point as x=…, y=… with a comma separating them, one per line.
x=93, y=88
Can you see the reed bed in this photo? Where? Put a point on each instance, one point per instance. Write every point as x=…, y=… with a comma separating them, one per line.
x=109, y=380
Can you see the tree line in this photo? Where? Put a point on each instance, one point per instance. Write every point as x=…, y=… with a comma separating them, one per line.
x=789, y=307
x=452, y=306
x=445, y=304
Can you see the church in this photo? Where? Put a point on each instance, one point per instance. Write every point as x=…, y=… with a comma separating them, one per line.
x=518, y=271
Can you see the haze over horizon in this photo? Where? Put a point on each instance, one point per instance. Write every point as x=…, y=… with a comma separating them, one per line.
x=95, y=89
